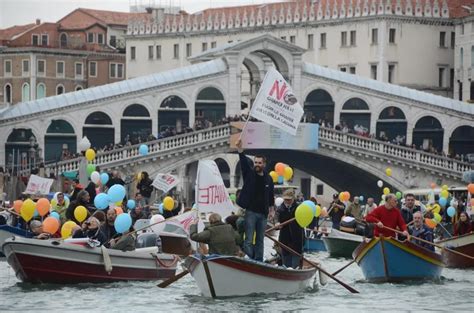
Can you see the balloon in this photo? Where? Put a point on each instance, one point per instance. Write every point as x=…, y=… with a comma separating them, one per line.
x=66, y=230
x=55, y=215
x=280, y=179
x=80, y=213
x=380, y=184
x=101, y=201
x=131, y=204
x=168, y=203
x=233, y=197
x=278, y=201
x=280, y=168
x=304, y=215
x=341, y=196
x=90, y=169
x=50, y=225
x=399, y=195
x=160, y=208
x=444, y=187
x=433, y=185
x=311, y=205
x=36, y=214
x=472, y=202
x=437, y=217
x=274, y=176
x=118, y=210
x=318, y=211
x=361, y=198
x=451, y=211
x=43, y=206
x=347, y=196
x=386, y=191
x=118, y=203
x=388, y=171
x=90, y=154
x=95, y=177
x=470, y=188
x=17, y=204
x=104, y=178
x=324, y=212
x=288, y=173
x=27, y=210
x=122, y=223
x=158, y=227
x=436, y=208
x=116, y=193
x=444, y=194
x=430, y=222
x=143, y=150
x=443, y=201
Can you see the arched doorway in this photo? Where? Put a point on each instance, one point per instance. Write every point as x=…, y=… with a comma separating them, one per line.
x=98, y=128
x=392, y=125
x=7, y=95
x=63, y=40
x=17, y=148
x=428, y=134
x=210, y=106
x=135, y=125
x=60, y=139
x=173, y=114
x=225, y=171
x=40, y=91
x=319, y=105
x=461, y=141
x=355, y=112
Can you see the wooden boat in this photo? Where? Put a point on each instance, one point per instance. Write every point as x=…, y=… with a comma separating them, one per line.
x=7, y=231
x=56, y=261
x=463, y=244
x=314, y=245
x=389, y=260
x=341, y=244
x=229, y=276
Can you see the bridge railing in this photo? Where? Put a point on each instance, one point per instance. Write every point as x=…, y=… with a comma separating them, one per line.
x=390, y=150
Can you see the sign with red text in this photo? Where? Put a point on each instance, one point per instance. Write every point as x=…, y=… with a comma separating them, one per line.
x=211, y=194
x=38, y=185
x=165, y=182
x=276, y=104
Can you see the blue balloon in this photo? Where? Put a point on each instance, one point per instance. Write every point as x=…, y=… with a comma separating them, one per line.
x=101, y=201
x=36, y=214
x=116, y=193
x=280, y=179
x=311, y=205
x=451, y=211
x=143, y=150
x=443, y=201
x=122, y=223
x=361, y=198
x=56, y=215
x=131, y=204
x=104, y=178
x=160, y=207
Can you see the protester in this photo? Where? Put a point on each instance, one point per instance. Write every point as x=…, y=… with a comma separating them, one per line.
x=409, y=208
x=140, y=211
x=256, y=196
x=354, y=209
x=125, y=242
x=420, y=230
x=108, y=228
x=387, y=215
x=221, y=237
x=90, y=229
x=336, y=211
x=83, y=199
x=145, y=187
x=369, y=206
x=463, y=226
x=61, y=207
x=76, y=188
x=291, y=235
x=36, y=227
x=115, y=179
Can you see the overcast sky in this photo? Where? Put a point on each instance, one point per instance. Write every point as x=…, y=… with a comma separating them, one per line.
x=18, y=12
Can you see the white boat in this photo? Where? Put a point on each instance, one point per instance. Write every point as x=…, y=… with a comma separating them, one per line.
x=7, y=231
x=56, y=261
x=230, y=276
x=341, y=244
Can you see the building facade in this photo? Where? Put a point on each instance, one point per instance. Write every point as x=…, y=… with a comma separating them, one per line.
x=464, y=57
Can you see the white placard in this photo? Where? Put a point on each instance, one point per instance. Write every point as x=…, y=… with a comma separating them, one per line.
x=165, y=182
x=38, y=185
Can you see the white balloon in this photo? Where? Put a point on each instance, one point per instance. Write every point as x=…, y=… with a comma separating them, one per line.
x=158, y=228
x=380, y=183
x=95, y=177
x=278, y=201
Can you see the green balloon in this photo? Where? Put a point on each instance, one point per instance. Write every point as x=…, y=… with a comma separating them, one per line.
x=90, y=169
x=399, y=195
x=232, y=197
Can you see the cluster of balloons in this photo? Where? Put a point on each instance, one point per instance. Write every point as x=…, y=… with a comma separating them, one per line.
x=98, y=178
x=344, y=196
x=281, y=173
x=28, y=208
x=306, y=211
x=114, y=195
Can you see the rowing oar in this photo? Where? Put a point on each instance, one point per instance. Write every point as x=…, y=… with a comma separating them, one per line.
x=343, y=268
x=431, y=243
x=312, y=263
x=171, y=280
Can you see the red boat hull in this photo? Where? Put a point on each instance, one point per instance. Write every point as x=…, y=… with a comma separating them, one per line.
x=454, y=260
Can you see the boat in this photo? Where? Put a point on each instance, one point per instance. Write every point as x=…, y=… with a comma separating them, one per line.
x=341, y=244
x=230, y=276
x=7, y=231
x=385, y=259
x=463, y=244
x=314, y=245
x=58, y=261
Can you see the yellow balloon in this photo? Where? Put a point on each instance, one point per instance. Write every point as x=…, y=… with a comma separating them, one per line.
x=444, y=187
x=304, y=215
x=288, y=173
x=119, y=203
x=437, y=217
x=27, y=210
x=318, y=211
x=444, y=193
x=168, y=203
x=386, y=191
x=274, y=176
x=80, y=213
x=388, y=171
x=436, y=208
x=66, y=230
x=90, y=154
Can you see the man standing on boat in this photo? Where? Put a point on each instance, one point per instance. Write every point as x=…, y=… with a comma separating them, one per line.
x=420, y=230
x=409, y=208
x=256, y=197
x=387, y=215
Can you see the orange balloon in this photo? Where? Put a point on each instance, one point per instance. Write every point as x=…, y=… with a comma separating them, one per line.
x=430, y=223
x=433, y=185
x=50, y=225
x=346, y=195
x=470, y=188
x=17, y=205
x=280, y=168
x=43, y=205
x=118, y=210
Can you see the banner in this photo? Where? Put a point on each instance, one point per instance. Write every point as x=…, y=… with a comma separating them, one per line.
x=276, y=104
x=165, y=182
x=180, y=224
x=263, y=136
x=211, y=193
x=38, y=185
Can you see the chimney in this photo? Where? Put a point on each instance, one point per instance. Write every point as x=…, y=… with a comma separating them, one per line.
x=38, y=21
x=158, y=15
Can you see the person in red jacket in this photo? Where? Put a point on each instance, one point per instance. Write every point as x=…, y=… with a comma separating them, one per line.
x=463, y=226
x=387, y=215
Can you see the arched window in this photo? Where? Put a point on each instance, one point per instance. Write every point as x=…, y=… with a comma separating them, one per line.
x=25, y=92
x=355, y=115
x=136, y=110
x=461, y=142
x=428, y=134
x=99, y=129
x=319, y=106
x=7, y=93
x=355, y=104
x=59, y=89
x=135, y=125
x=63, y=40
x=173, y=114
x=210, y=105
x=173, y=102
x=98, y=118
x=392, y=125
x=59, y=141
x=40, y=91
x=79, y=87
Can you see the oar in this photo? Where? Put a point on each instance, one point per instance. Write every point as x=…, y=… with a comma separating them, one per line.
x=312, y=263
x=343, y=268
x=171, y=280
x=431, y=243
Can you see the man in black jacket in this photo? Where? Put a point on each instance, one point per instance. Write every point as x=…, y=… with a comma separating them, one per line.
x=291, y=235
x=256, y=197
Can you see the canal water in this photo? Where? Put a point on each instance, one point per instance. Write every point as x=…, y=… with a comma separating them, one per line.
x=455, y=293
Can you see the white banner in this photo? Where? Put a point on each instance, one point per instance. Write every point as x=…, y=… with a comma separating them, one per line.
x=165, y=182
x=38, y=185
x=211, y=194
x=276, y=103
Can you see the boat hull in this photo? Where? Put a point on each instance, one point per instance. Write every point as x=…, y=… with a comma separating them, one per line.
x=314, y=245
x=229, y=276
x=7, y=231
x=341, y=244
x=51, y=261
x=389, y=260
x=463, y=244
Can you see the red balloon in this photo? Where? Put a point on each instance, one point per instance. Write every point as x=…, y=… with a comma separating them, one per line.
x=50, y=225
x=280, y=168
x=43, y=205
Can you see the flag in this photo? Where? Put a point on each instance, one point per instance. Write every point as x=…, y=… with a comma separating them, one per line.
x=276, y=103
x=165, y=182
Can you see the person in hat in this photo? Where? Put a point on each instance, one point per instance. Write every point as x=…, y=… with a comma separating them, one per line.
x=291, y=235
x=336, y=211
